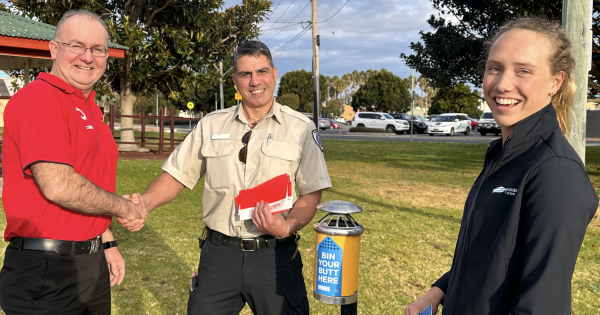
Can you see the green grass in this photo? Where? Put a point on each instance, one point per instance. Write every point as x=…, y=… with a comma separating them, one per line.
x=412, y=193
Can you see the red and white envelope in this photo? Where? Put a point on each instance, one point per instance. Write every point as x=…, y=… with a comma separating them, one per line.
x=277, y=192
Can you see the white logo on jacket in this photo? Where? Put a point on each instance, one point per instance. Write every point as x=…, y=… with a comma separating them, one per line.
x=507, y=191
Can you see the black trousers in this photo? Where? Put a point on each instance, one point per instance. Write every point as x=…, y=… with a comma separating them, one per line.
x=268, y=279
x=43, y=282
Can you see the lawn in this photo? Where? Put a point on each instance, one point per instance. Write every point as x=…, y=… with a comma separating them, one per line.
x=412, y=194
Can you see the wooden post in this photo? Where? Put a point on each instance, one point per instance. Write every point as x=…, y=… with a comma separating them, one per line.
x=577, y=23
x=172, y=129
x=161, y=132
x=111, y=118
x=143, y=128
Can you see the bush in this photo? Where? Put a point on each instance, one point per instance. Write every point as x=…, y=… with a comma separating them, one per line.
x=364, y=129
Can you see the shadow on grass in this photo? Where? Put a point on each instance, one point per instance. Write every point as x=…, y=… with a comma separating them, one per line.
x=448, y=218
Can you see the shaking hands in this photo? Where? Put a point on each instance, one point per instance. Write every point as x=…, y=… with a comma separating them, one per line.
x=136, y=214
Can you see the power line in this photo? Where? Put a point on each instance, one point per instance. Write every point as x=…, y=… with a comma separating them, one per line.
x=291, y=40
x=277, y=6
x=281, y=28
x=282, y=13
x=338, y=11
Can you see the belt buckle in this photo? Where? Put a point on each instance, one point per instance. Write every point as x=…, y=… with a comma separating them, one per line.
x=95, y=245
x=253, y=241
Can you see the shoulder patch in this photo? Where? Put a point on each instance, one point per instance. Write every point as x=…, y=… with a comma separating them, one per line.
x=317, y=138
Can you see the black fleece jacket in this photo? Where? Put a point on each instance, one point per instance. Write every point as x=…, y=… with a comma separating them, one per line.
x=523, y=225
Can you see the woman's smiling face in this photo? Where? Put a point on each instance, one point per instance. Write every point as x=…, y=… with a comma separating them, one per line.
x=518, y=81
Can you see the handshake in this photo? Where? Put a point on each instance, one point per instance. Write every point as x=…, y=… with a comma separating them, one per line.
x=135, y=214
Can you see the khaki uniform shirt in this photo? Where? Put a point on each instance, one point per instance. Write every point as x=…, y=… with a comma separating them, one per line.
x=285, y=141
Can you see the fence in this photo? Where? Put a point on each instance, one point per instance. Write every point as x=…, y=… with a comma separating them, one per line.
x=161, y=129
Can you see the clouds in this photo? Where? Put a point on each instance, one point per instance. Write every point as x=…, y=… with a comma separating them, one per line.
x=363, y=35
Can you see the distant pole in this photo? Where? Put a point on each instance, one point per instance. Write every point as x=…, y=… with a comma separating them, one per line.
x=315, y=65
x=156, y=111
x=216, y=104
x=412, y=104
x=221, y=84
x=577, y=23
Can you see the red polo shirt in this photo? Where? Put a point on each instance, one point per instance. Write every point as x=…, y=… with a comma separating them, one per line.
x=50, y=121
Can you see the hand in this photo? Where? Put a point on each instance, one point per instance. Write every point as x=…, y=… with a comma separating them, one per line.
x=266, y=222
x=136, y=222
x=433, y=297
x=116, y=265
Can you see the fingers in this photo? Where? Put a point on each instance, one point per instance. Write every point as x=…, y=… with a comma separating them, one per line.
x=121, y=274
x=135, y=198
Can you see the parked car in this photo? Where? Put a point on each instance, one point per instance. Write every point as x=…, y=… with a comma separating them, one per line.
x=417, y=125
x=380, y=121
x=487, y=124
x=323, y=124
x=334, y=124
x=474, y=124
x=341, y=120
x=449, y=124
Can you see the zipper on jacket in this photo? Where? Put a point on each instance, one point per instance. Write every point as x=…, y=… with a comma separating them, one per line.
x=468, y=221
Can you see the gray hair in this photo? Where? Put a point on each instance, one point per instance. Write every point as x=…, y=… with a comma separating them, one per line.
x=251, y=48
x=80, y=12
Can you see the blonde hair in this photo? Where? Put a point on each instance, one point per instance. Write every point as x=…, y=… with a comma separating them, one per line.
x=560, y=60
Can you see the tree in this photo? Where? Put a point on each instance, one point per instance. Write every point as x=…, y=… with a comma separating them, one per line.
x=290, y=100
x=452, y=52
x=382, y=91
x=456, y=100
x=170, y=41
x=300, y=82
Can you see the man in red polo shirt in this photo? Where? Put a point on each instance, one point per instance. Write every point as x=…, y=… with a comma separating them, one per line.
x=59, y=170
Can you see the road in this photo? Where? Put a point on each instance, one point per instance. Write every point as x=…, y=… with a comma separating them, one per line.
x=457, y=138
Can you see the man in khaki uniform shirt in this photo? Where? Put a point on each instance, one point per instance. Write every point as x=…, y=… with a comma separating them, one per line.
x=254, y=261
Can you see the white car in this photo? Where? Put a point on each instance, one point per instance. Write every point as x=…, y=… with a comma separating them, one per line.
x=380, y=121
x=449, y=124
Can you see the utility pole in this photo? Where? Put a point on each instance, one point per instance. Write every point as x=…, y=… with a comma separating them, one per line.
x=412, y=104
x=315, y=64
x=156, y=111
x=577, y=23
x=221, y=84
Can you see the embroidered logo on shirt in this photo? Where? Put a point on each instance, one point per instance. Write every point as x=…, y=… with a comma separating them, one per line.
x=89, y=127
x=507, y=191
x=82, y=114
x=317, y=139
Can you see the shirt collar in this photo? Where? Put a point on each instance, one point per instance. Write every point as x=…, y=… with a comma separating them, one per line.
x=64, y=86
x=274, y=112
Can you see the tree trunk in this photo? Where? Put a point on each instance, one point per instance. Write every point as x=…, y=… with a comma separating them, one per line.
x=127, y=101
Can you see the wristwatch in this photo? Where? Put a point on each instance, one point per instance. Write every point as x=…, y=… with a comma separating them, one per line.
x=110, y=244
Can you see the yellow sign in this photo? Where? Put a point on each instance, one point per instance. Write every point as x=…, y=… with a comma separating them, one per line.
x=238, y=96
x=190, y=105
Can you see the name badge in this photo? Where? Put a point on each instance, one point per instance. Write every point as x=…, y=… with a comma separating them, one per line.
x=220, y=136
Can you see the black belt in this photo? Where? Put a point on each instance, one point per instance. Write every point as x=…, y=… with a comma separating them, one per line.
x=60, y=247
x=247, y=244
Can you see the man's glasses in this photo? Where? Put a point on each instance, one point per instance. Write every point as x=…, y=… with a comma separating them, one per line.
x=76, y=48
x=244, y=150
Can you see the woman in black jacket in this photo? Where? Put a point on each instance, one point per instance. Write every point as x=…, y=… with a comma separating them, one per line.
x=526, y=214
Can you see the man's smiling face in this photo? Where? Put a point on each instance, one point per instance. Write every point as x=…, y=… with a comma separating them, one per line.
x=255, y=79
x=81, y=71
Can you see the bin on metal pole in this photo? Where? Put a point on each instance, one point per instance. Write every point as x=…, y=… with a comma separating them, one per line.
x=337, y=250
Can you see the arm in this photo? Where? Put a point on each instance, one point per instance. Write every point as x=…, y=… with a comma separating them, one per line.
x=558, y=203
x=63, y=186
x=275, y=224
x=114, y=259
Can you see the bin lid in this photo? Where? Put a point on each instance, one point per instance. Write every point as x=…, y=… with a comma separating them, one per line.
x=339, y=206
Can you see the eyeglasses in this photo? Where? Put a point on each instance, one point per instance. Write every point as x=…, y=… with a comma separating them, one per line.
x=244, y=150
x=76, y=48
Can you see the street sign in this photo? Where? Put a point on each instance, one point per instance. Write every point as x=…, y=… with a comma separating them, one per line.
x=238, y=96
x=190, y=105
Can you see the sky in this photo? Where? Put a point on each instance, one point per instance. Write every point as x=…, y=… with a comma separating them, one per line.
x=364, y=34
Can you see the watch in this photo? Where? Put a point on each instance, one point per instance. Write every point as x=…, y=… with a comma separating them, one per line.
x=110, y=244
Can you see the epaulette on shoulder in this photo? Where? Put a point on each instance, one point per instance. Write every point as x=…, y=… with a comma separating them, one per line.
x=221, y=111
x=295, y=114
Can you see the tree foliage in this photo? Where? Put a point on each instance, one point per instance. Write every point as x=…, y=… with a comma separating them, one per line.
x=300, y=82
x=457, y=99
x=172, y=43
x=452, y=52
x=382, y=91
x=290, y=100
